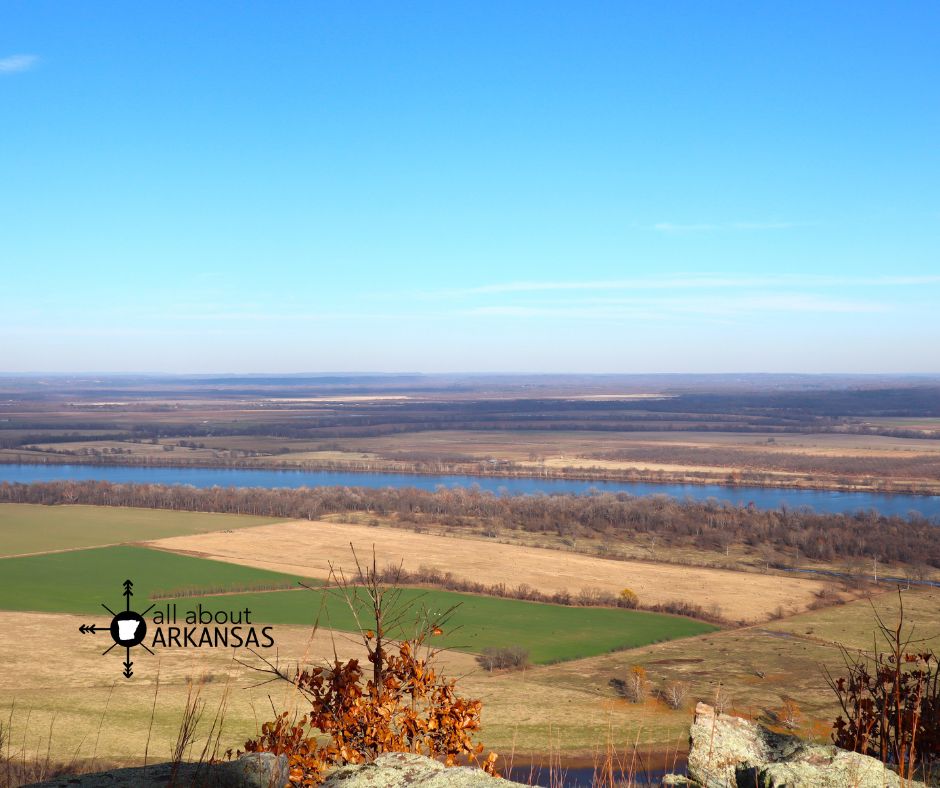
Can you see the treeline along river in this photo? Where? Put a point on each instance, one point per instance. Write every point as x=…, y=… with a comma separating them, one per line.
x=823, y=501
x=779, y=534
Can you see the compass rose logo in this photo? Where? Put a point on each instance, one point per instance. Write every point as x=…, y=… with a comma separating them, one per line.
x=128, y=629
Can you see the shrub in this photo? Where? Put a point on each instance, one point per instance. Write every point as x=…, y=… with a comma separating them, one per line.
x=890, y=700
x=635, y=685
x=508, y=658
x=674, y=694
x=628, y=599
x=790, y=714
x=404, y=706
x=722, y=700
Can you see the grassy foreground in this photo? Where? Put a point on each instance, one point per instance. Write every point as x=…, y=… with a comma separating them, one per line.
x=56, y=685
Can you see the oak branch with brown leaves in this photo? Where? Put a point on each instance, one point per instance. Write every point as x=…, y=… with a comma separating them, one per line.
x=890, y=699
x=406, y=705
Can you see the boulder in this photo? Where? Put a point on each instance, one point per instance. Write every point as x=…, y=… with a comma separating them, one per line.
x=729, y=752
x=261, y=770
x=404, y=769
x=264, y=770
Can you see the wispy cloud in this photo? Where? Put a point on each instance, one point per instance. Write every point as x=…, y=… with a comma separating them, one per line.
x=708, y=296
x=662, y=308
x=674, y=227
x=13, y=64
x=690, y=282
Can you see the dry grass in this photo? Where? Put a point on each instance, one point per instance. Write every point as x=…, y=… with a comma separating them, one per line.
x=624, y=465
x=758, y=667
x=28, y=529
x=62, y=687
x=307, y=548
x=57, y=683
x=517, y=445
x=51, y=669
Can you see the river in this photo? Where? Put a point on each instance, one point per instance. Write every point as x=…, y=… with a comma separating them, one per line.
x=834, y=501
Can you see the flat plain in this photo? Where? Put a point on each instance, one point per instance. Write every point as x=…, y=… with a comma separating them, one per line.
x=762, y=431
x=81, y=581
x=844, y=433
x=309, y=548
x=32, y=528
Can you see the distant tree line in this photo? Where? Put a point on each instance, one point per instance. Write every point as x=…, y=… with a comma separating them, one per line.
x=706, y=525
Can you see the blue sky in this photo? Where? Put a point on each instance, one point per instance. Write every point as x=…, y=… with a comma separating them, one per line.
x=506, y=186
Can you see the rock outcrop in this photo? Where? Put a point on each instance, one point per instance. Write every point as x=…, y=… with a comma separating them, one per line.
x=725, y=752
x=402, y=770
x=394, y=770
x=261, y=770
x=729, y=752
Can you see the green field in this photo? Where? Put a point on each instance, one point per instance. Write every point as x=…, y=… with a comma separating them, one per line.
x=551, y=633
x=32, y=528
x=79, y=581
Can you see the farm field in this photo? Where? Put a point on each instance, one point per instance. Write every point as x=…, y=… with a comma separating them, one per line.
x=56, y=684
x=717, y=453
x=925, y=424
x=307, y=548
x=525, y=446
x=518, y=444
x=758, y=667
x=29, y=528
x=550, y=633
x=770, y=432
x=79, y=581
x=569, y=708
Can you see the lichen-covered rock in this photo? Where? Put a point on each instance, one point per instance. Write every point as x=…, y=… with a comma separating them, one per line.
x=676, y=779
x=253, y=770
x=727, y=752
x=403, y=769
x=261, y=770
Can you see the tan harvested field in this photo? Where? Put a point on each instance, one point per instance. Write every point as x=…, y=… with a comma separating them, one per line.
x=129, y=449
x=308, y=547
x=516, y=444
x=819, y=459
x=622, y=465
x=339, y=398
x=603, y=397
x=824, y=459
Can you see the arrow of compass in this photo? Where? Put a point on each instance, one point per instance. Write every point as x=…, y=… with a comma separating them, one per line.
x=93, y=628
x=128, y=593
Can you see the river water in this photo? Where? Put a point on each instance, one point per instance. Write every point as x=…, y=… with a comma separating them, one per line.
x=760, y=497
